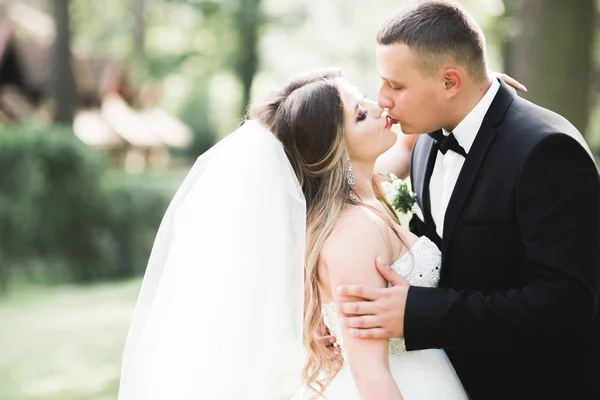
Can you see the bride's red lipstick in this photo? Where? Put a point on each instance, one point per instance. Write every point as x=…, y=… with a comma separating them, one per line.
x=389, y=122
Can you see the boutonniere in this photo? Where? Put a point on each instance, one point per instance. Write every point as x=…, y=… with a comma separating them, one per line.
x=400, y=195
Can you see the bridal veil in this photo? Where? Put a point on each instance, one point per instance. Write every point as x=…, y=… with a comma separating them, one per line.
x=219, y=313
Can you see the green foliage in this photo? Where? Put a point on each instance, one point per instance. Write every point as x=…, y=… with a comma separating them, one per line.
x=60, y=220
x=195, y=113
x=50, y=202
x=134, y=215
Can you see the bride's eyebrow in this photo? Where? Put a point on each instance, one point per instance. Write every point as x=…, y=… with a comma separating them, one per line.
x=360, y=92
x=358, y=102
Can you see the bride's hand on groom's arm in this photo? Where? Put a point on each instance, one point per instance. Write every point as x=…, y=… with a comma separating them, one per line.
x=381, y=313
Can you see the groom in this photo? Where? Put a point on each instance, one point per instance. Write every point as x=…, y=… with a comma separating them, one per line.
x=511, y=194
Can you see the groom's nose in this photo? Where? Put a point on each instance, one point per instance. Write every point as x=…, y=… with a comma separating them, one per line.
x=383, y=97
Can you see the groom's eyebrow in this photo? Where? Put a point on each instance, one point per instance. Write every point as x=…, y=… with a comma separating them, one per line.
x=390, y=81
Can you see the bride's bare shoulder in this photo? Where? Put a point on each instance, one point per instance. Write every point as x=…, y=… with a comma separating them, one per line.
x=349, y=252
x=360, y=230
x=356, y=230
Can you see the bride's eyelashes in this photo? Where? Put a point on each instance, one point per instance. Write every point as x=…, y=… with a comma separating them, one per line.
x=362, y=115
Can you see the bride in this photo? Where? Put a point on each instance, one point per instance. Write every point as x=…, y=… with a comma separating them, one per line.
x=243, y=270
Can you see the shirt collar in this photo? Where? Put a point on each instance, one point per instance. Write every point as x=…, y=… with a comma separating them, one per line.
x=466, y=131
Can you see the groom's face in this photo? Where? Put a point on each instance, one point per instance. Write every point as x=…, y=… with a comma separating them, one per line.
x=413, y=97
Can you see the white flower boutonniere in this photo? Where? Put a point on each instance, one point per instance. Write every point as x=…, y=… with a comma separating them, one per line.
x=400, y=195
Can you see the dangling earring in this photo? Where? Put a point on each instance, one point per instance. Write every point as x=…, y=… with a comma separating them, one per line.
x=350, y=179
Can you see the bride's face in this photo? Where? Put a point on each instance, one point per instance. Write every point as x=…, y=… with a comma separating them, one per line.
x=367, y=130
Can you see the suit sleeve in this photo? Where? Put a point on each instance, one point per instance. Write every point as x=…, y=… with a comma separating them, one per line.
x=558, y=213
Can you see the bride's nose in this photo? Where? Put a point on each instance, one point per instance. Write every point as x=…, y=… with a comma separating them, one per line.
x=376, y=111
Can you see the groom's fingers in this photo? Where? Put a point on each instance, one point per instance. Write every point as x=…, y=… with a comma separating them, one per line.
x=364, y=322
x=388, y=273
x=362, y=291
x=358, y=308
x=373, y=333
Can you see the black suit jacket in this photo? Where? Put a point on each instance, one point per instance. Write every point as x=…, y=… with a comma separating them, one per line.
x=520, y=258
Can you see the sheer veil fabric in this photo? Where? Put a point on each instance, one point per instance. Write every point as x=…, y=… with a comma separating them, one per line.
x=219, y=313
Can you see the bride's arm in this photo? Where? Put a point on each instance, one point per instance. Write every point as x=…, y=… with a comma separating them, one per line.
x=396, y=160
x=349, y=256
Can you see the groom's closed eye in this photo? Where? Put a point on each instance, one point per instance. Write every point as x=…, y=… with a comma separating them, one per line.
x=394, y=85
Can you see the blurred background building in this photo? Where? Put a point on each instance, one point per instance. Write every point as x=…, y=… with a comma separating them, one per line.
x=104, y=106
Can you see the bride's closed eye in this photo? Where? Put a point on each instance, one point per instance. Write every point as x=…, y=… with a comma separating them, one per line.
x=362, y=115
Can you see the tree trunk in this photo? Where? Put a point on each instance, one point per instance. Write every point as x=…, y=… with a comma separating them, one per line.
x=64, y=82
x=553, y=56
x=510, y=28
x=249, y=23
x=139, y=28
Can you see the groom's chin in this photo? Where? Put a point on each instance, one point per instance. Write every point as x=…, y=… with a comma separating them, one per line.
x=407, y=130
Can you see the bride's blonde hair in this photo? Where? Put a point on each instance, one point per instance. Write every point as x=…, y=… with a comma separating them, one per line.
x=307, y=117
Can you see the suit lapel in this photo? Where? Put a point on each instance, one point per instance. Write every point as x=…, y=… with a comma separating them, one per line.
x=468, y=174
x=431, y=157
x=421, y=174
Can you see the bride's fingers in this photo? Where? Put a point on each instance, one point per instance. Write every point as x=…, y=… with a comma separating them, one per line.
x=358, y=308
x=362, y=291
x=329, y=342
x=365, y=322
x=321, y=329
x=511, y=81
x=326, y=340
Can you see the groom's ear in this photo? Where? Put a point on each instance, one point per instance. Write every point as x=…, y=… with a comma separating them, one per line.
x=452, y=79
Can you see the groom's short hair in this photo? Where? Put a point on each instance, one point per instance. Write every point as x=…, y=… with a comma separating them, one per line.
x=438, y=31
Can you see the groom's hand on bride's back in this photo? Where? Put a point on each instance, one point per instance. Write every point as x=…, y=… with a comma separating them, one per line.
x=380, y=313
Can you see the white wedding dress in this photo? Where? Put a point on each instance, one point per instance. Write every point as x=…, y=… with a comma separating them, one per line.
x=420, y=375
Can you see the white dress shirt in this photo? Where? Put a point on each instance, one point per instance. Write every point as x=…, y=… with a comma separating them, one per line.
x=447, y=167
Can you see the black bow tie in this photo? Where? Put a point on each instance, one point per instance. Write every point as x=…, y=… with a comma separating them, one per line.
x=445, y=143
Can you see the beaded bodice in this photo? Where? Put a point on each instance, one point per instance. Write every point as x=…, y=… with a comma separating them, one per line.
x=420, y=266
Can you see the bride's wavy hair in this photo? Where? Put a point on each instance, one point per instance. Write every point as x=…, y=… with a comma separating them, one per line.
x=307, y=116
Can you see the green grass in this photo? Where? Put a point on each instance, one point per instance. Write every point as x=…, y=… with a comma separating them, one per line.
x=64, y=342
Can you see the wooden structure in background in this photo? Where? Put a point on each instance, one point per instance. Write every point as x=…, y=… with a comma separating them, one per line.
x=105, y=118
